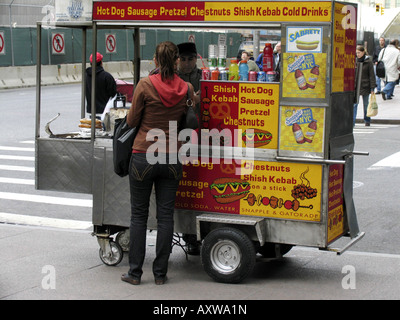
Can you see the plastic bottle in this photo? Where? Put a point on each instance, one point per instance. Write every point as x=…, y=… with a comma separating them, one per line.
x=312, y=80
x=268, y=58
x=300, y=79
x=310, y=133
x=298, y=133
x=233, y=71
x=243, y=71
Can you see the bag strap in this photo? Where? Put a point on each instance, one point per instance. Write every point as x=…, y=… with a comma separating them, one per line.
x=189, y=101
x=383, y=54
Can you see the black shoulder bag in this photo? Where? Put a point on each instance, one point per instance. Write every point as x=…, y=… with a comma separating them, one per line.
x=380, y=67
x=189, y=121
x=122, y=146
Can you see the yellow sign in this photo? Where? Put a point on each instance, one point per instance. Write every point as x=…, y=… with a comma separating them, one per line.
x=304, y=75
x=302, y=129
x=282, y=190
x=268, y=11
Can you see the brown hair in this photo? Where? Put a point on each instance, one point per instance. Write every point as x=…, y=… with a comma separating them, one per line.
x=166, y=55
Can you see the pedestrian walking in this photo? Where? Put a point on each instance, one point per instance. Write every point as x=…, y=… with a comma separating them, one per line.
x=366, y=81
x=391, y=58
x=377, y=50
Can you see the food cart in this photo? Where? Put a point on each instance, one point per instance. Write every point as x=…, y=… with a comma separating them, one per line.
x=272, y=164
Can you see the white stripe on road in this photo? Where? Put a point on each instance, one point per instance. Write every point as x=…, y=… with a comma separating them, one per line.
x=391, y=161
x=17, y=168
x=16, y=149
x=43, y=221
x=17, y=181
x=46, y=199
x=23, y=158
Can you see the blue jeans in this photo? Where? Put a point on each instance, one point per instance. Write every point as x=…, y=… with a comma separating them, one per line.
x=142, y=177
x=365, y=104
x=378, y=81
x=389, y=88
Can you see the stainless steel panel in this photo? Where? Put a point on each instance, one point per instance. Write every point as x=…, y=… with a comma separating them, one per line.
x=64, y=165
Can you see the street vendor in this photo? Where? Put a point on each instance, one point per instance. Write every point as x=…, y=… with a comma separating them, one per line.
x=188, y=71
x=106, y=87
x=187, y=67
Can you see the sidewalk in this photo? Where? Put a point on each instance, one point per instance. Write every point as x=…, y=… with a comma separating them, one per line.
x=56, y=264
x=388, y=111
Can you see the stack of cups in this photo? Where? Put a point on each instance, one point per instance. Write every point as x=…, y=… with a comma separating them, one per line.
x=212, y=55
x=222, y=56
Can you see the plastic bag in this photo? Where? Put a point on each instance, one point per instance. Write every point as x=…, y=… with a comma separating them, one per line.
x=372, y=109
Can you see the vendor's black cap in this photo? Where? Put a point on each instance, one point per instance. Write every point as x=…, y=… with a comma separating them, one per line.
x=187, y=48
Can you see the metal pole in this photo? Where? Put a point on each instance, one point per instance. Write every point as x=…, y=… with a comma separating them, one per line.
x=93, y=106
x=11, y=35
x=83, y=94
x=136, y=58
x=38, y=77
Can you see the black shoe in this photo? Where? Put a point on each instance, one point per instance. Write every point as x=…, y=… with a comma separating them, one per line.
x=132, y=280
x=390, y=98
x=160, y=281
x=383, y=96
x=378, y=92
x=367, y=124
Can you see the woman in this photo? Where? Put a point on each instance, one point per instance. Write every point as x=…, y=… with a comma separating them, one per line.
x=158, y=100
x=367, y=81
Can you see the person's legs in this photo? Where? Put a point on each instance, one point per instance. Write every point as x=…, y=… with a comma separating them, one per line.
x=388, y=89
x=166, y=186
x=378, y=82
x=141, y=183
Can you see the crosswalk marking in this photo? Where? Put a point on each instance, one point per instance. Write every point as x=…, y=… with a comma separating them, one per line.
x=6, y=148
x=46, y=199
x=391, y=161
x=43, y=221
x=17, y=168
x=17, y=181
x=22, y=158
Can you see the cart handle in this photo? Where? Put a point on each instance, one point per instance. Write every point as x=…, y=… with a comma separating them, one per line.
x=361, y=153
x=320, y=161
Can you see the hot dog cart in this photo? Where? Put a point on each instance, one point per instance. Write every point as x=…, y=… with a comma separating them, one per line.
x=272, y=164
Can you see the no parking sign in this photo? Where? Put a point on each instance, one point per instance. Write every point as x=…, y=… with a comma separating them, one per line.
x=58, y=43
x=111, y=43
x=2, y=43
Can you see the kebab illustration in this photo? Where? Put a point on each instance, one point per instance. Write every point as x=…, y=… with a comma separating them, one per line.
x=300, y=191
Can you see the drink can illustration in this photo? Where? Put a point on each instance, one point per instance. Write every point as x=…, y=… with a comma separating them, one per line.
x=223, y=74
x=270, y=76
x=206, y=74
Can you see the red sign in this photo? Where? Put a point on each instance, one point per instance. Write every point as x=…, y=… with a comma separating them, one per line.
x=2, y=51
x=149, y=11
x=58, y=43
x=111, y=43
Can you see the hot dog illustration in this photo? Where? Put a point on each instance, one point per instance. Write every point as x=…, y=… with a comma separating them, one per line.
x=307, y=45
x=226, y=190
x=257, y=137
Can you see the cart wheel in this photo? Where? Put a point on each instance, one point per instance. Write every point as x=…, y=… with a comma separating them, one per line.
x=228, y=255
x=115, y=255
x=122, y=239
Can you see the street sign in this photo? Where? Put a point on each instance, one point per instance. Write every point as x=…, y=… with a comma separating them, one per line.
x=111, y=43
x=58, y=43
x=2, y=43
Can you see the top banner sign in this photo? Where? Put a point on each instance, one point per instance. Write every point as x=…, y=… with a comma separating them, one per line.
x=210, y=11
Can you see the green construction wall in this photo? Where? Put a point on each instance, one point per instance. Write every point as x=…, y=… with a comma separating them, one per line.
x=24, y=44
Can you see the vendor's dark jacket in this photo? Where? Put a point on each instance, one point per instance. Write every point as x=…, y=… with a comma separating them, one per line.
x=106, y=88
x=377, y=50
x=194, y=78
x=368, y=82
